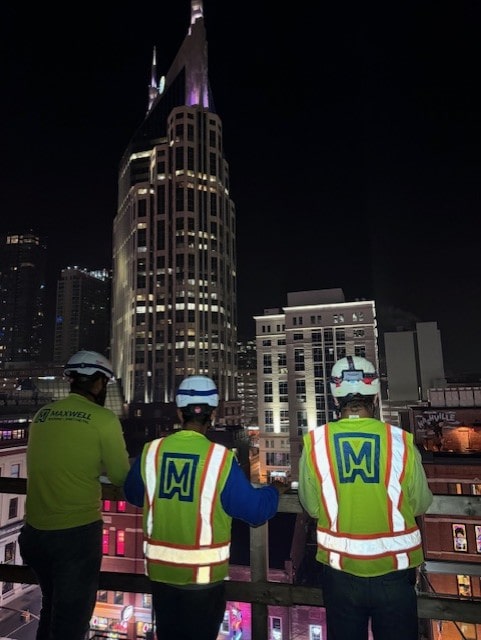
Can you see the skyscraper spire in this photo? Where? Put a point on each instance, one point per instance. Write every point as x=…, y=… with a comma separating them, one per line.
x=153, y=90
x=196, y=11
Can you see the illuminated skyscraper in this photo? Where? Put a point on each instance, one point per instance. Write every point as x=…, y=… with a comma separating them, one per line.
x=174, y=260
x=22, y=297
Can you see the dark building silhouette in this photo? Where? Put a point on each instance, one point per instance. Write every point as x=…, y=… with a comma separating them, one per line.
x=22, y=297
x=82, y=319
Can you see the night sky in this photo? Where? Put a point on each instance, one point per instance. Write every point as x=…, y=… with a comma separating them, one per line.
x=353, y=136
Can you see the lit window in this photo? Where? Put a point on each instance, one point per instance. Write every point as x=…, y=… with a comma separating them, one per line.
x=120, y=543
x=105, y=541
x=121, y=506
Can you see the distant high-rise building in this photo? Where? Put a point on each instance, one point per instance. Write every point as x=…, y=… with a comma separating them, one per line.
x=82, y=319
x=296, y=349
x=174, y=259
x=247, y=382
x=414, y=362
x=22, y=297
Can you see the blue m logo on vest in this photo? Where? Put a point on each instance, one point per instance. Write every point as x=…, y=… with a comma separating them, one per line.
x=177, y=476
x=357, y=455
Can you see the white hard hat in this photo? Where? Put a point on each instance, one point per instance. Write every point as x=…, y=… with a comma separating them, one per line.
x=197, y=390
x=354, y=375
x=86, y=363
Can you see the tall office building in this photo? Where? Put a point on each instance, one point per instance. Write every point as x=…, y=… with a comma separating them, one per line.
x=22, y=297
x=414, y=362
x=174, y=259
x=247, y=382
x=296, y=348
x=82, y=319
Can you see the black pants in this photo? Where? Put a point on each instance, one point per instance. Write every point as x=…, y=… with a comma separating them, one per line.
x=188, y=614
x=388, y=601
x=66, y=563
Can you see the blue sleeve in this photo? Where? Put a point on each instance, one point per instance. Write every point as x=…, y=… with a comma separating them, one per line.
x=243, y=501
x=134, y=488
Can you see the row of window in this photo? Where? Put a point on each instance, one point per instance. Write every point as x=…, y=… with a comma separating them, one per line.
x=117, y=597
x=298, y=321
x=327, y=356
x=301, y=420
x=316, y=336
x=120, y=506
x=119, y=535
x=319, y=389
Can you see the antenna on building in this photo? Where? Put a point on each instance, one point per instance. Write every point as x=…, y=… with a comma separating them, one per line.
x=153, y=89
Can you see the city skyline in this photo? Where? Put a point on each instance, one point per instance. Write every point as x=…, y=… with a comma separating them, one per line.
x=362, y=127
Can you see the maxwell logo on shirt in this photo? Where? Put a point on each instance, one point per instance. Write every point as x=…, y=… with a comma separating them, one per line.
x=42, y=415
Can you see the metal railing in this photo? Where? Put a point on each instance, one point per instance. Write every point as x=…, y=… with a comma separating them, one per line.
x=261, y=593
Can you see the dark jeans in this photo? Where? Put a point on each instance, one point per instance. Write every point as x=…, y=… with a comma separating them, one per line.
x=389, y=601
x=67, y=565
x=188, y=614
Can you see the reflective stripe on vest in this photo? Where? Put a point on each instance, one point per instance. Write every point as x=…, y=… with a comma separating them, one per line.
x=369, y=547
x=151, y=479
x=174, y=555
x=182, y=555
x=400, y=541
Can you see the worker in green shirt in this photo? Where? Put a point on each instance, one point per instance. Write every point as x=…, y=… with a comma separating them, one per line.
x=71, y=443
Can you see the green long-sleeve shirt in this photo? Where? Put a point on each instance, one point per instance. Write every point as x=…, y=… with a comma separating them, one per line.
x=71, y=443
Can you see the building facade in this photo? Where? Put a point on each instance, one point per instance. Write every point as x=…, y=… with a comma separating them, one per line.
x=247, y=382
x=22, y=297
x=13, y=446
x=296, y=348
x=414, y=362
x=82, y=318
x=174, y=257
x=447, y=430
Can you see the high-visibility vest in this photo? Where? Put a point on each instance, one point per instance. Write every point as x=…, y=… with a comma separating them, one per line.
x=365, y=526
x=186, y=531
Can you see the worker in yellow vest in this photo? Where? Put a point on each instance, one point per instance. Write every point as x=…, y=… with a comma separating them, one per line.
x=364, y=483
x=190, y=489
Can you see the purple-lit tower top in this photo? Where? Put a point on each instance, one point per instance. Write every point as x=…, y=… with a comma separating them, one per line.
x=192, y=58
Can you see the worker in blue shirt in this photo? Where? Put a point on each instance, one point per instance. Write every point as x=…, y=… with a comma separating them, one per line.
x=190, y=489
